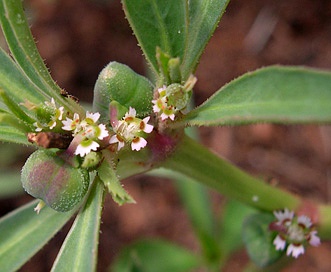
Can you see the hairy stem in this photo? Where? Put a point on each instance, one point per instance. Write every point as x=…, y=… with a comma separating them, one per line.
x=197, y=162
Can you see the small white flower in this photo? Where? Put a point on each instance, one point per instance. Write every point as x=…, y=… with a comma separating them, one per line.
x=304, y=221
x=279, y=243
x=156, y=107
x=54, y=114
x=71, y=124
x=130, y=130
x=284, y=216
x=138, y=143
x=38, y=126
x=88, y=129
x=295, y=231
x=295, y=250
x=86, y=147
x=161, y=106
x=164, y=116
x=162, y=91
x=93, y=116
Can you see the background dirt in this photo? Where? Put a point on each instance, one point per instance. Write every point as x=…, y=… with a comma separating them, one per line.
x=78, y=38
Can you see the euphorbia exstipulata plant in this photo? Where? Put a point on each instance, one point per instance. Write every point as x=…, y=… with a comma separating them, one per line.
x=137, y=125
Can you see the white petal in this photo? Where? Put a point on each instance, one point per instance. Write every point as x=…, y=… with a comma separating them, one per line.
x=94, y=116
x=156, y=108
x=160, y=90
x=103, y=132
x=52, y=124
x=113, y=139
x=295, y=250
x=304, y=220
x=172, y=116
x=76, y=117
x=132, y=112
x=138, y=143
x=279, y=243
x=38, y=127
x=61, y=110
x=164, y=116
x=148, y=128
x=67, y=124
x=120, y=145
x=314, y=240
x=84, y=150
x=282, y=216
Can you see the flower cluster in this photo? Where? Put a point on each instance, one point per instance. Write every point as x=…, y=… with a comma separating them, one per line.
x=296, y=231
x=173, y=98
x=162, y=106
x=88, y=131
x=48, y=114
x=131, y=130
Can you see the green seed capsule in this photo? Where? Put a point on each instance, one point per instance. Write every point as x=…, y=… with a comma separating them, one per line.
x=48, y=177
x=118, y=82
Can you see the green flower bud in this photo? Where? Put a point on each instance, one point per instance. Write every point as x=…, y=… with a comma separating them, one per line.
x=91, y=160
x=177, y=96
x=48, y=177
x=117, y=82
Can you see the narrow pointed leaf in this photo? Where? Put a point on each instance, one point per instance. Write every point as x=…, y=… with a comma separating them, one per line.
x=23, y=232
x=230, y=232
x=80, y=248
x=10, y=184
x=275, y=94
x=203, y=19
x=12, y=135
x=155, y=255
x=158, y=23
x=195, y=198
x=22, y=45
x=23, y=48
x=16, y=84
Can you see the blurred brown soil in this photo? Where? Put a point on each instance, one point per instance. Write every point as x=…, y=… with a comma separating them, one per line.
x=78, y=38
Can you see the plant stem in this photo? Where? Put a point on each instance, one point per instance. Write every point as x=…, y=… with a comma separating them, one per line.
x=324, y=221
x=197, y=162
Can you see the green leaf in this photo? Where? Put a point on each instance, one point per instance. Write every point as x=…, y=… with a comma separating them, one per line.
x=158, y=24
x=233, y=216
x=112, y=183
x=10, y=185
x=203, y=19
x=155, y=256
x=80, y=248
x=258, y=239
x=22, y=45
x=275, y=94
x=15, y=83
x=12, y=135
x=195, y=198
x=23, y=232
